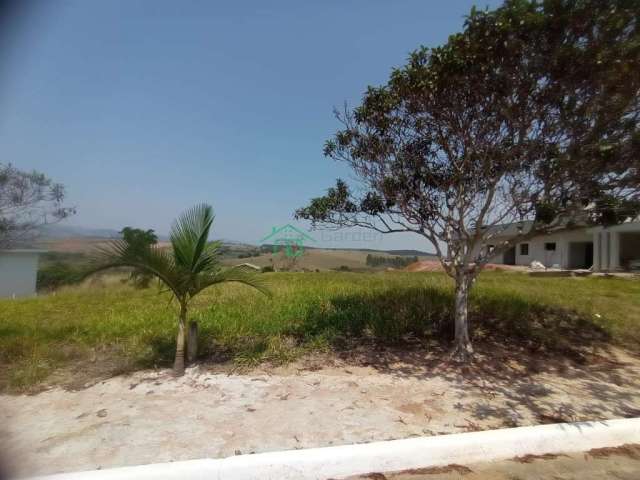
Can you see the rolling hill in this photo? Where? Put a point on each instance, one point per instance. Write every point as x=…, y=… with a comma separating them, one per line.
x=66, y=240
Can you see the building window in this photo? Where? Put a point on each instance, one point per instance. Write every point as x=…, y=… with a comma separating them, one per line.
x=550, y=246
x=524, y=249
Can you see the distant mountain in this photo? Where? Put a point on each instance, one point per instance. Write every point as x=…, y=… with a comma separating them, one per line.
x=60, y=231
x=235, y=243
x=55, y=231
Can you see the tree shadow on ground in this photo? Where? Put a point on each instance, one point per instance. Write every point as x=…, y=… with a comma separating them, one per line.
x=425, y=315
x=408, y=333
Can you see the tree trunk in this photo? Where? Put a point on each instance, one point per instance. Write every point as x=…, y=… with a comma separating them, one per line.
x=192, y=342
x=462, y=349
x=178, y=364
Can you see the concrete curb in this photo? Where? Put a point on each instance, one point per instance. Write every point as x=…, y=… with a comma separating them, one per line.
x=342, y=461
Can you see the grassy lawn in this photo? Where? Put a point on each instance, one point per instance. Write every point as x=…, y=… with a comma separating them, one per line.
x=116, y=328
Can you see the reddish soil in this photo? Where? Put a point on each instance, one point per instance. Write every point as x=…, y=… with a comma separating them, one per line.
x=435, y=266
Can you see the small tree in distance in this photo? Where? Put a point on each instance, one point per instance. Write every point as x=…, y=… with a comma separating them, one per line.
x=519, y=122
x=139, y=239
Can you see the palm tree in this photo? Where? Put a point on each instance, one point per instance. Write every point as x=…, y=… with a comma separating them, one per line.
x=190, y=266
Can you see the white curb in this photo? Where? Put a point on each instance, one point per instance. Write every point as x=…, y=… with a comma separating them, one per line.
x=342, y=461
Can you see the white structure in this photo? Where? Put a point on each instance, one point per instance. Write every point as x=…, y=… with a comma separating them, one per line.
x=18, y=272
x=392, y=455
x=605, y=249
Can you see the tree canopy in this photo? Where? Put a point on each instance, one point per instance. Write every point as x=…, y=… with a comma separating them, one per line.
x=530, y=114
x=139, y=237
x=28, y=200
x=140, y=240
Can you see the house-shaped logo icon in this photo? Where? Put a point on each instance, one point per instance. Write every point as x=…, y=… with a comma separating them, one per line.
x=287, y=239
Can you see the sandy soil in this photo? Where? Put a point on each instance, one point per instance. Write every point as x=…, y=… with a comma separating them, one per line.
x=622, y=463
x=152, y=417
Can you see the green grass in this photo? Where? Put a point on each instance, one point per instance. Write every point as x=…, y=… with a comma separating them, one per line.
x=116, y=328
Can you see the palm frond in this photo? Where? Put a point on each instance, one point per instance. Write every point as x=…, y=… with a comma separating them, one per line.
x=189, y=235
x=191, y=266
x=209, y=261
x=152, y=259
x=235, y=274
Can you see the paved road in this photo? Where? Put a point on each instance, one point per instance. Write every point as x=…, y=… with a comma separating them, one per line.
x=621, y=464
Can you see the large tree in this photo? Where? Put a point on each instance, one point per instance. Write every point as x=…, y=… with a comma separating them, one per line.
x=28, y=200
x=526, y=122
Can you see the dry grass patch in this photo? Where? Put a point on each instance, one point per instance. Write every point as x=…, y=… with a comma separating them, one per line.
x=106, y=328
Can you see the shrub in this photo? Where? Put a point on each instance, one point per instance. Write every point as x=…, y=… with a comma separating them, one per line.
x=58, y=274
x=395, y=262
x=253, y=253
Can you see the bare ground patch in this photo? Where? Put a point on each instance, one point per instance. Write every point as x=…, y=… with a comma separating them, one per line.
x=629, y=450
x=453, y=468
x=532, y=458
x=369, y=394
x=578, y=466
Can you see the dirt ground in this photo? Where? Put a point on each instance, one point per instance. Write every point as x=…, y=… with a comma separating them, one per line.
x=436, y=266
x=152, y=417
x=621, y=463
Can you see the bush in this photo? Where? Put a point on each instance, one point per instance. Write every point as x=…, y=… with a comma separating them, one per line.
x=58, y=274
x=395, y=262
x=268, y=268
x=254, y=253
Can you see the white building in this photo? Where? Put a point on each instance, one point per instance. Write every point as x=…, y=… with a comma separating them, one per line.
x=615, y=248
x=18, y=272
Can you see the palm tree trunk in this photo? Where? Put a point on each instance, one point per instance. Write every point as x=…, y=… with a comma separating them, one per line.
x=192, y=342
x=178, y=364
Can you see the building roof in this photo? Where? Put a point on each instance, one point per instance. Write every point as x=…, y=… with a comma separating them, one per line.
x=510, y=230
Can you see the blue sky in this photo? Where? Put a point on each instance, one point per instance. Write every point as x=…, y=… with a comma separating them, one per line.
x=143, y=108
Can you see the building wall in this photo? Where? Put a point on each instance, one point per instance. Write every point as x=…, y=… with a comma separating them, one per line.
x=537, y=251
x=559, y=257
x=609, y=242
x=18, y=272
x=613, y=247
